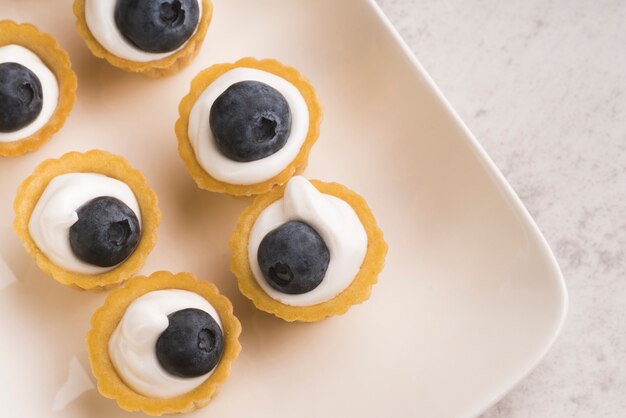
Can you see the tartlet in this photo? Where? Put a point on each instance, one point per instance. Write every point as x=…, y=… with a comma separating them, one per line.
x=106, y=319
x=164, y=63
x=107, y=168
x=56, y=61
x=282, y=218
x=287, y=86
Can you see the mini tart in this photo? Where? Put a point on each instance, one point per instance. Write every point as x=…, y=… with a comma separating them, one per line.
x=201, y=82
x=357, y=292
x=106, y=319
x=158, y=68
x=58, y=61
x=95, y=161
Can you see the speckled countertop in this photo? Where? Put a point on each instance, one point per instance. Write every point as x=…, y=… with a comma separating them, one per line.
x=542, y=85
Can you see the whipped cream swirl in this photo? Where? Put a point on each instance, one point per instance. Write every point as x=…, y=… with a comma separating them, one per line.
x=332, y=218
x=55, y=213
x=132, y=346
x=100, y=18
x=49, y=88
x=205, y=147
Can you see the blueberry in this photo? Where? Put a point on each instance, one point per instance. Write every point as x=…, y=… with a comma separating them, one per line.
x=192, y=344
x=21, y=97
x=106, y=233
x=250, y=121
x=293, y=258
x=157, y=25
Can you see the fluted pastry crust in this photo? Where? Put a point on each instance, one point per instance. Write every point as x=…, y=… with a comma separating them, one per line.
x=58, y=61
x=158, y=68
x=202, y=81
x=94, y=161
x=358, y=291
x=107, y=317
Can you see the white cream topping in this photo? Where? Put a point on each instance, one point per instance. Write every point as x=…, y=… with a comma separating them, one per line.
x=333, y=219
x=100, y=18
x=55, y=213
x=49, y=89
x=132, y=346
x=205, y=147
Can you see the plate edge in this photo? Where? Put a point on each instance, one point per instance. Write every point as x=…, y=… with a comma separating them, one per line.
x=482, y=405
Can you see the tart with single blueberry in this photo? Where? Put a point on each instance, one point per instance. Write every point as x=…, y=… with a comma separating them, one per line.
x=247, y=127
x=89, y=220
x=307, y=251
x=155, y=38
x=37, y=88
x=163, y=344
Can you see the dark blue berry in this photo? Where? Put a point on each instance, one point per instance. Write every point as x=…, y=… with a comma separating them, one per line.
x=250, y=121
x=192, y=344
x=106, y=233
x=21, y=97
x=293, y=258
x=157, y=25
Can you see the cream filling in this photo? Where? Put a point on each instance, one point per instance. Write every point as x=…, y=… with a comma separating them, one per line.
x=100, y=18
x=333, y=219
x=205, y=147
x=55, y=213
x=132, y=346
x=49, y=89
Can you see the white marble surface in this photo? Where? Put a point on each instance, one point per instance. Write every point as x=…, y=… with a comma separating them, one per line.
x=542, y=84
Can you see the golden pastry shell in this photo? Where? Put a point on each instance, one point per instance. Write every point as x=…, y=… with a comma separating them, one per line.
x=202, y=81
x=169, y=65
x=357, y=292
x=106, y=319
x=94, y=161
x=58, y=61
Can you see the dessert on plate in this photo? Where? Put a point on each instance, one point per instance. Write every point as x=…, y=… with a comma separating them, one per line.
x=248, y=126
x=307, y=250
x=155, y=38
x=89, y=220
x=163, y=344
x=37, y=88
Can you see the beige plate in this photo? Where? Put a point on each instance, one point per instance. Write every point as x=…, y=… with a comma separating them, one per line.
x=471, y=297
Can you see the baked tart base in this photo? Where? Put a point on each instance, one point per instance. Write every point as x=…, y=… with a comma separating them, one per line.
x=358, y=291
x=106, y=319
x=201, y=82
x=158, y=68
x=96, y=161
x=58, y=61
